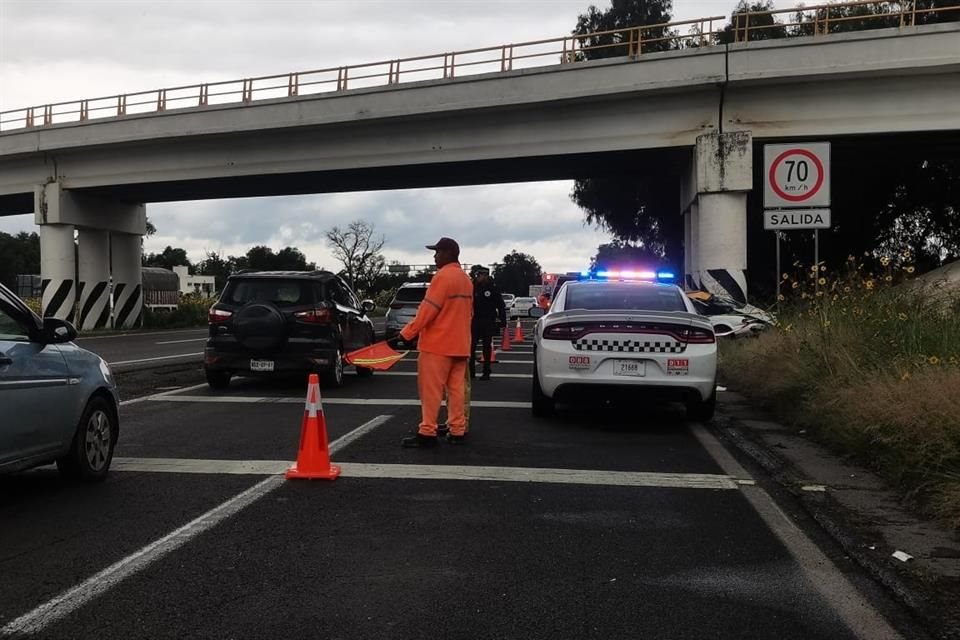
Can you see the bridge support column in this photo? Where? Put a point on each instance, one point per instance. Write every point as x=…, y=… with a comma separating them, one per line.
x=59, y=211
x=724, y=172
x=58, y=271
x=127, y=285
x=93, y=271
x=692, y=226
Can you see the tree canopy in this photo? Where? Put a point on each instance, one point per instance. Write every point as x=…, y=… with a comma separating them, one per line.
x=19, y=254
x=517, y=272
x=360, y=253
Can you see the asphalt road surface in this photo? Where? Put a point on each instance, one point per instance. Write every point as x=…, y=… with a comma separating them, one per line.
x=150, y=349
x=624, y=522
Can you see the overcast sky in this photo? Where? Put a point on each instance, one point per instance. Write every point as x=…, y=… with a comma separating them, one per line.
x=51, y=51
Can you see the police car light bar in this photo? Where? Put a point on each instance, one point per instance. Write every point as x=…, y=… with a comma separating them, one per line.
x=659, y=276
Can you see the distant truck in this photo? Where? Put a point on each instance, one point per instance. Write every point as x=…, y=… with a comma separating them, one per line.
x=535, y=290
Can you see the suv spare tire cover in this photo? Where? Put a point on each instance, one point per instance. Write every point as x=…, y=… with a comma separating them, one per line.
x=260, y=327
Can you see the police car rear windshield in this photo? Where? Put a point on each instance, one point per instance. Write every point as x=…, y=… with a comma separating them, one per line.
x=623, y=297
x=411, y=294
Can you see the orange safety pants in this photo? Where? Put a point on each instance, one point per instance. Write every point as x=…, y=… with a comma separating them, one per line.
x=436, y=373
x=467, y=388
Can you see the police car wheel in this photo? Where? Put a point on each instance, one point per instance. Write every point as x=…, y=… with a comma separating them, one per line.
x=541, y=404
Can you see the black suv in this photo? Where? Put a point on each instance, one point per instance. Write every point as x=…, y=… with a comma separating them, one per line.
x=285, y=321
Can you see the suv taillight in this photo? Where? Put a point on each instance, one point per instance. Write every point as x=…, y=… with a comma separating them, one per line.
x=216, y=316
x=314, y=316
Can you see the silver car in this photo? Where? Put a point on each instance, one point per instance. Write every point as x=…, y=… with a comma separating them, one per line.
x=58, y=402
x=403, y=307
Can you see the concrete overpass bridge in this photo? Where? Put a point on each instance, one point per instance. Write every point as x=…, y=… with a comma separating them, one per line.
x=93, y=165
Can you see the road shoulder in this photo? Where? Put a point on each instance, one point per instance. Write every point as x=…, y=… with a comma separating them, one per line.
x=858, y=511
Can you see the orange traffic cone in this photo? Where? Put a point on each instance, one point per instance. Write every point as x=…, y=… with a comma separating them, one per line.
x=505, y=341
x=313, y=460
x=518, y=333
x=493, y=355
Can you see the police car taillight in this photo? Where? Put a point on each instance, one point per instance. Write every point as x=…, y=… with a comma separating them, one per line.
x=696, y=335
x=564, y=331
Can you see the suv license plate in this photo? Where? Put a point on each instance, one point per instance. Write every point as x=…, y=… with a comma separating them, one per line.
x=635, y=368
x=261, y=365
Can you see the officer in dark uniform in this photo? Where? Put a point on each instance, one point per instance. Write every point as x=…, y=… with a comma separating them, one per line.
x=489, y=317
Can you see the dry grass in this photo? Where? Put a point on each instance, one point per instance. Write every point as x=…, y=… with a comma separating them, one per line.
x=870, y=371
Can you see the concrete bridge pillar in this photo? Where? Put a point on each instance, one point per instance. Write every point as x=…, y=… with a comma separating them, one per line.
x=58, y=271
x=724, y=175
x=127, y=284
x=59, y=212
x=93, y=272
x=692, y=275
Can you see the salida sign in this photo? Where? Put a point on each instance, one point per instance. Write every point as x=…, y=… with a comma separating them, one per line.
x=796, y=219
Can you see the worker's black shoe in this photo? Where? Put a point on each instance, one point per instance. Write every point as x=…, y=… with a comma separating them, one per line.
x=419, y=441
x=485, y=376
x=452, y=439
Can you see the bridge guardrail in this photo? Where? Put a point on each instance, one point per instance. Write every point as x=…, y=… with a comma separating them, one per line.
x=634, y=41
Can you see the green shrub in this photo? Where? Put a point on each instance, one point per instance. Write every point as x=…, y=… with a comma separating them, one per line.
x=190, y=312
x=870, y=368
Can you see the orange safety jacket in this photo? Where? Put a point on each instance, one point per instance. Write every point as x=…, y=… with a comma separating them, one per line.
x=443, y=319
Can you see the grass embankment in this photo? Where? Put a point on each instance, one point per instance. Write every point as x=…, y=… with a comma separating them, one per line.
x=870, y=369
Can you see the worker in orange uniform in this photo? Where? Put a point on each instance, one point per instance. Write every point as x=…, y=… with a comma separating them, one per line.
x=544, y=302
x=443, y=324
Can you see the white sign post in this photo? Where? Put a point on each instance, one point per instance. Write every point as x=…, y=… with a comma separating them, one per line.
x=796, y=193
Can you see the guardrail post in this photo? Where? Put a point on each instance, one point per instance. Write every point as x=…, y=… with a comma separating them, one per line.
x=247, y=92
x=293, y=84
x=393, y=76
x=342, y=78
x=29, y=118
x=204, y=95
x=84, y=110
x=121, y=105
x=47, y=115
x=162, y=100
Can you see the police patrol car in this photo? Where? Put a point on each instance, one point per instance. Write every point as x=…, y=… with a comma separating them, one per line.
x=629, y=332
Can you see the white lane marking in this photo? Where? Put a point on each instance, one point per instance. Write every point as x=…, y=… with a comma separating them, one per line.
x=856, y=612
x=136, y=334
x=179, y=355
x=181, y=341
x=437, y=472
x=395, y=402
x=72, y=599
x=155, y=396
x=414, y=373
x=387, y=402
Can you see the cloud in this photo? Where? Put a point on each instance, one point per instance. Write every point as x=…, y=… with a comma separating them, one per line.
x=536, y=218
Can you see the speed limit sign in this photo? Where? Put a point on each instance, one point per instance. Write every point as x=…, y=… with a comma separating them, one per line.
x=796, y=175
